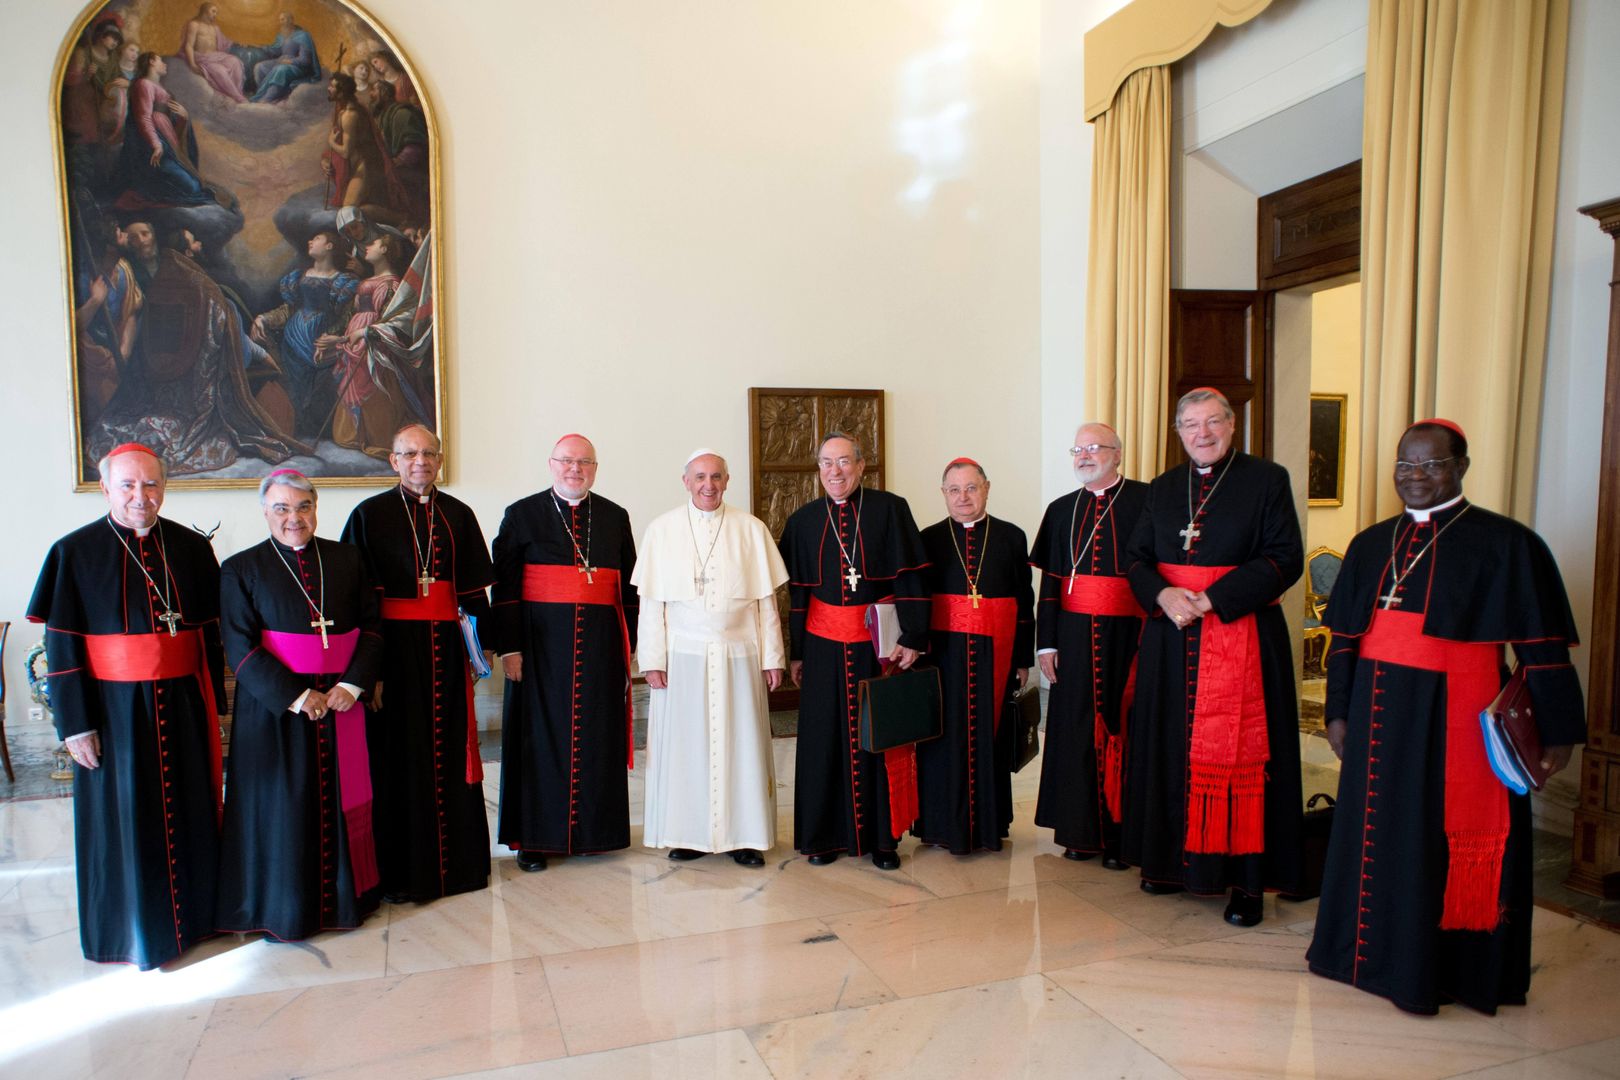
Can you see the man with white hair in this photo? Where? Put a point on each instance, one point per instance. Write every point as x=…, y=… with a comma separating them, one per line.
x=1086, y=629
x=565, y=623
x=711, y=647
x=130, y=604
x=299, y=618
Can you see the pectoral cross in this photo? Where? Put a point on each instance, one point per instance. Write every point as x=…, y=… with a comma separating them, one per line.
x=975, y=595
x=321, y=623
x=1188, y=535
x=853, y=577
x=426, y=580
x=170, y=619
x=1391, y=600
x=589, y=571
x=700, y=581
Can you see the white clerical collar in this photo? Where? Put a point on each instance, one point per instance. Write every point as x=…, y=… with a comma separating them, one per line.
x=426, y=496
x=1111, y=485
x=573, y=502
x=1422, y=516
x=975, y=521
x=702, y=513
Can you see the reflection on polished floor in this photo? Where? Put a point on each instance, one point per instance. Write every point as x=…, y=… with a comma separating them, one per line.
x=629, y=965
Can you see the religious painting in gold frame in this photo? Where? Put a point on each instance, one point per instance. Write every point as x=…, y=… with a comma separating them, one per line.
x=251, y=206
x=1324, y=484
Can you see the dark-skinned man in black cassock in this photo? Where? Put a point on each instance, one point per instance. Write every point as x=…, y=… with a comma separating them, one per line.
x=299, y=616
x=1427, y=894
x=982, y=638
x=427, y=558
x=130, y=604
x=1086, y=628
x=845, y=552
x=1212, y=784
x=565, y=619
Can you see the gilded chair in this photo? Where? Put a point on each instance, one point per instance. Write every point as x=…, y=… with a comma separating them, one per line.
x=1321, y=571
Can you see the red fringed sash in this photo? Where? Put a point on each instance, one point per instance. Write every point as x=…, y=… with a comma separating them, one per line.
x=836, y=622
x=439, y=605
x=546, y=583
x=1226, y=781
x=1476, y=803
x=996, y=618
x=1095, y=594
x=149, y=657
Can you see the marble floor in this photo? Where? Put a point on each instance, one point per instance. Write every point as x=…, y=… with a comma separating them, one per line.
x=1013, y=964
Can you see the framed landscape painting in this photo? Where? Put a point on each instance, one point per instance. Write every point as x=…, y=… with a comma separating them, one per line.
x=250, y=201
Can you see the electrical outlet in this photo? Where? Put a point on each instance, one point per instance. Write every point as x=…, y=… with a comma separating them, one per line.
x=36, y=713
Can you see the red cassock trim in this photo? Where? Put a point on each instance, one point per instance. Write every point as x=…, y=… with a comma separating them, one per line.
x=995, y=618
x=1476, y=804
x=150, y=657
x=549, y=583
x=1226, y=761
x=439, y=605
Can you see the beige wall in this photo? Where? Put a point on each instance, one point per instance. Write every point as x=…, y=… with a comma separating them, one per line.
x=1336, y=369
x=650, y=208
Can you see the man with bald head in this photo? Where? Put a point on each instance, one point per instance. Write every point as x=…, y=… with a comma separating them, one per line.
x=1427, y=895
x=710, y=645
x=299, y=616
x=565, y=622
x=1212, y=782
x=428, y=561
x=130, y=604
x=982, y=636
x=1086, y=628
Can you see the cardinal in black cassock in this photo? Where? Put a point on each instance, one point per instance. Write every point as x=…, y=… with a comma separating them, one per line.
x=1213, y=793
x=1427, y=893
x=564, y=604
x=845, y=552
x=1086, y=630
x=982, y=640
x=298, y=835
x=141, y=705
x=427, y=775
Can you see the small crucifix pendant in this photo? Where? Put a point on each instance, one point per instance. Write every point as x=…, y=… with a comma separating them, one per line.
x=170, y=619
x=321, y=623
x=1391, y=600
x=1188, y=535
x=589, y=571
x=426, y=580
x=700, y=581
x=853, y=577
x=975, y=595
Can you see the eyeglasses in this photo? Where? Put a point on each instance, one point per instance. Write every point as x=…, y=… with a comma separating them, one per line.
x=1214, y=423
x=412, y=455
x=1093, y=449
x=570, y=462
x=842, y=463
x=1433, y=467
x=955, y=489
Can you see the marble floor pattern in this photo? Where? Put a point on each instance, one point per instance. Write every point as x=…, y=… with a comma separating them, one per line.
x=1012, y=964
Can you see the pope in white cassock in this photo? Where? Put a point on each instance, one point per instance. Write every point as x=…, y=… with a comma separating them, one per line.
x=710, y=645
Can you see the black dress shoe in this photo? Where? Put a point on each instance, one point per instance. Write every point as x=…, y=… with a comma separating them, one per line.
x=1161, y=888
x=1113, y=862
x=397, y=898
x=747, y=856
x=531, y=861
x=1245, y=910
x=886, y=860
x=685, y=854
x=1077, y=855
x=826, y=858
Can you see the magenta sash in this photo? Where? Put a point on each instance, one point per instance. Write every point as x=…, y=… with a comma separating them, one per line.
x=302, y=653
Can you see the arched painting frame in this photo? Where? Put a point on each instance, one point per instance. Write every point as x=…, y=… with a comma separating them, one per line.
x=251, y=238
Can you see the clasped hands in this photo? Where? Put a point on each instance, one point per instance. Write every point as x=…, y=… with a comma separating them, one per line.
x=1183, y=606
x=317, y=704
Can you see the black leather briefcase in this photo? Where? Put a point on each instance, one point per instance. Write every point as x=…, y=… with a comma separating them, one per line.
x=899, y=709
x=1024, y=714
x=1314, y=839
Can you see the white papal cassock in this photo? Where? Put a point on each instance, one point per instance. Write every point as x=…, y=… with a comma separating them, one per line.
x=709, y=621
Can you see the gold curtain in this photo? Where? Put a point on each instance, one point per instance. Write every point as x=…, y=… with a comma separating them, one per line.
x=1464, y=112
x=1128, y=281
